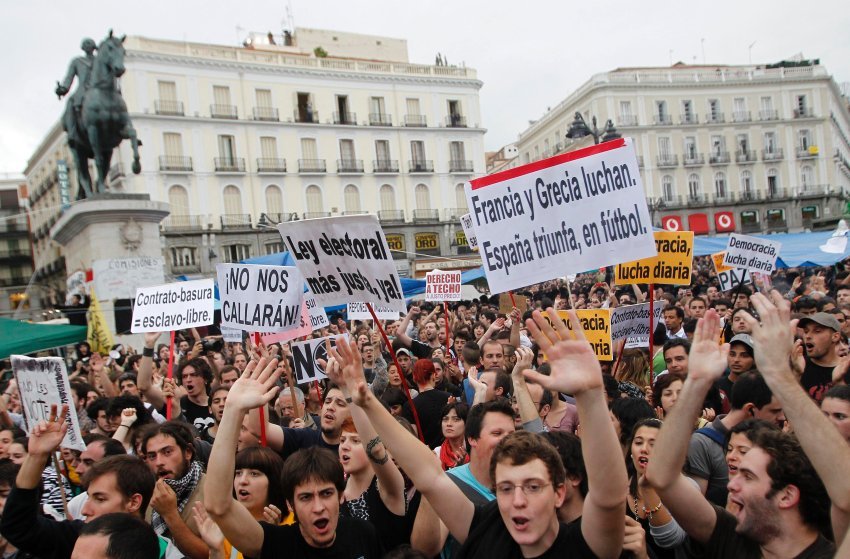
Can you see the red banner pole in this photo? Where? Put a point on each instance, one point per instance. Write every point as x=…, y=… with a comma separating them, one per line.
x=170, y=375
x=400, y=372
x=651, y=333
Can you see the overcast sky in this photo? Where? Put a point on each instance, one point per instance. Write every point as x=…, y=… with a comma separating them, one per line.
x=530, y=55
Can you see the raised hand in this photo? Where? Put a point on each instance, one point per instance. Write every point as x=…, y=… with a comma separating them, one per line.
x=524, y=357
x=272, y=515
x=46, y=436
x=773, y=336
x=151, y=338
x=128, y=417
x=207, y=528
x=346, y=357
x=256, y=386
x=707, y=360
x=575, y=368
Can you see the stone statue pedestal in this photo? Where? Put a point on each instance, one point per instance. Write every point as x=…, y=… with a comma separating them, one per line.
x=108, y=226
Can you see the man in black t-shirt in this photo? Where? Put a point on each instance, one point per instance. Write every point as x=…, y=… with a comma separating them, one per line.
x=527, y=472
x=313, y=483
x=821, y=334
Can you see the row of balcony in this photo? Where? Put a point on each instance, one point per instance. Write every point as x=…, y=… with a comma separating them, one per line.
x=15, y=254
x=306, y=115
x=176, y=223
x=183, y=164
x=695, y=159
x=764, y=115
x=744, y=197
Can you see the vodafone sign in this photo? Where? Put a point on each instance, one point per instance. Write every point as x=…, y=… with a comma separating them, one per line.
x=671, y=223
x=724, y=222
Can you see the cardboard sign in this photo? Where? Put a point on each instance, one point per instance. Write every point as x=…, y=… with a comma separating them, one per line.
x=173, y=306
x=632, y=321
x=231, y=334
x=344, y=259
x=469, y=231
x=752, y=253
x=442, y=285
x=260, y=298
x=672, y=265
x=44, y=382
x=596, y=324
x=576, y=211
x=359, y=311
x=119, y=278
x=717, y=260
x=318, y=318
x=731, y=279
x=306, y=356
x=506, y=305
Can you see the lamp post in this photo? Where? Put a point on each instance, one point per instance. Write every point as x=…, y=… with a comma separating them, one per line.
x=580, y=129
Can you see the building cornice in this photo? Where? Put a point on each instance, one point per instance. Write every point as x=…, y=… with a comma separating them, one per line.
x=291, y=71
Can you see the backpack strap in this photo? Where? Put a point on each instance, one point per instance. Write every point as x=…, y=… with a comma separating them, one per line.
x=713, y=434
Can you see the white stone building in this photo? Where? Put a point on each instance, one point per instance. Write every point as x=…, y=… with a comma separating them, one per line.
x=238, y=139
x=746, y=148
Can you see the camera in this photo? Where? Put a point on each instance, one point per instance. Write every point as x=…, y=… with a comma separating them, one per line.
x=214, y=344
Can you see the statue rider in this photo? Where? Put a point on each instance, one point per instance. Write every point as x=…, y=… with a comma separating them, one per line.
x=80, y=67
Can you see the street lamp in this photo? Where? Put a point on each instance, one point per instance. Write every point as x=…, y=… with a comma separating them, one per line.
x=580, y=129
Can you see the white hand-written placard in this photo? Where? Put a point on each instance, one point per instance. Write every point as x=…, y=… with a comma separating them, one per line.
x=173, y=306
x=260, y=298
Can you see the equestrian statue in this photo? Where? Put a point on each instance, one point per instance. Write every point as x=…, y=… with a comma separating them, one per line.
x=96, y=117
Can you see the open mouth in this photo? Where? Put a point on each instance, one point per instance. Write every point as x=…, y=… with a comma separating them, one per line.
x=243, y=494
x=321, y=525
x=163, y=474
x=344, y=458
x=643, y=461
x=520, y=522
x=809, y=347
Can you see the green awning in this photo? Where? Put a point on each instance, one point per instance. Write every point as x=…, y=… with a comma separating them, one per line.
x=17, y=337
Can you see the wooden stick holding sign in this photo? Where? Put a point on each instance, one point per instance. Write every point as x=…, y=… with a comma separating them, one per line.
x=170, y=374
x=651, y=333
x=400, y=372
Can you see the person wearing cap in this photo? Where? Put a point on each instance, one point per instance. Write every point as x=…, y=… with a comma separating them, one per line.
x=821, y=334
x=740, y=360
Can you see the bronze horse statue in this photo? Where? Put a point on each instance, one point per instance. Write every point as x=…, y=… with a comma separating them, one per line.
x=96, y=117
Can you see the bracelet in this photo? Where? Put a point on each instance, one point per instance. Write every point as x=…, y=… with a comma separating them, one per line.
x=125, y=426
x=371, y=446
x=147, y=352
x=651, y=511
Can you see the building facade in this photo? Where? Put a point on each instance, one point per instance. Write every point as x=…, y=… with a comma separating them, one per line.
x=722, y=148
x=16, y=265
x=239, y=139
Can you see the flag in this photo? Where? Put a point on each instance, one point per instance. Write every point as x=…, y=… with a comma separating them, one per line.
x=99, y=336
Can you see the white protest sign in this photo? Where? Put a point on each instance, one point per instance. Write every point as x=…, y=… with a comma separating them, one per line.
x=306, y=356
x=318, y=318
x=303, y=329
x=752, y=253
x=730, y=279
x=632, y=321
x=581, y=210
x=469, y=231
x=344, y=259
x=119, y=278
x=359, y=311
x=173, y=306
x=260, y=298
x=231, y=334
x=43, y=382
x=642, y=341
x=75, y=285
x=442, y=285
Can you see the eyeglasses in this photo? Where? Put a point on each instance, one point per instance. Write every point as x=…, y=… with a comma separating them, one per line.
x=533, y=487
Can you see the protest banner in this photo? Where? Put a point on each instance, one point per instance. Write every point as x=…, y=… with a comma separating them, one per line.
x=119, y=278
x=260, y=298
x=173, y=306
x=442, y=285
x=469, y=231
x=672, y=265
x=344, y=259
x=98, y=334
x=717, y=260
x=633, y=321
x=596, y=324
x=306, y=356
x=318, y=318
x=731, y=279
x=576, y=211
x=231, y=334
x=43, y=382
x=359, y=311
x=752, y=253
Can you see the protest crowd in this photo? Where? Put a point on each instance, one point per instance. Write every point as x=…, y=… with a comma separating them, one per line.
x=648, y=408
x=735, y=445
